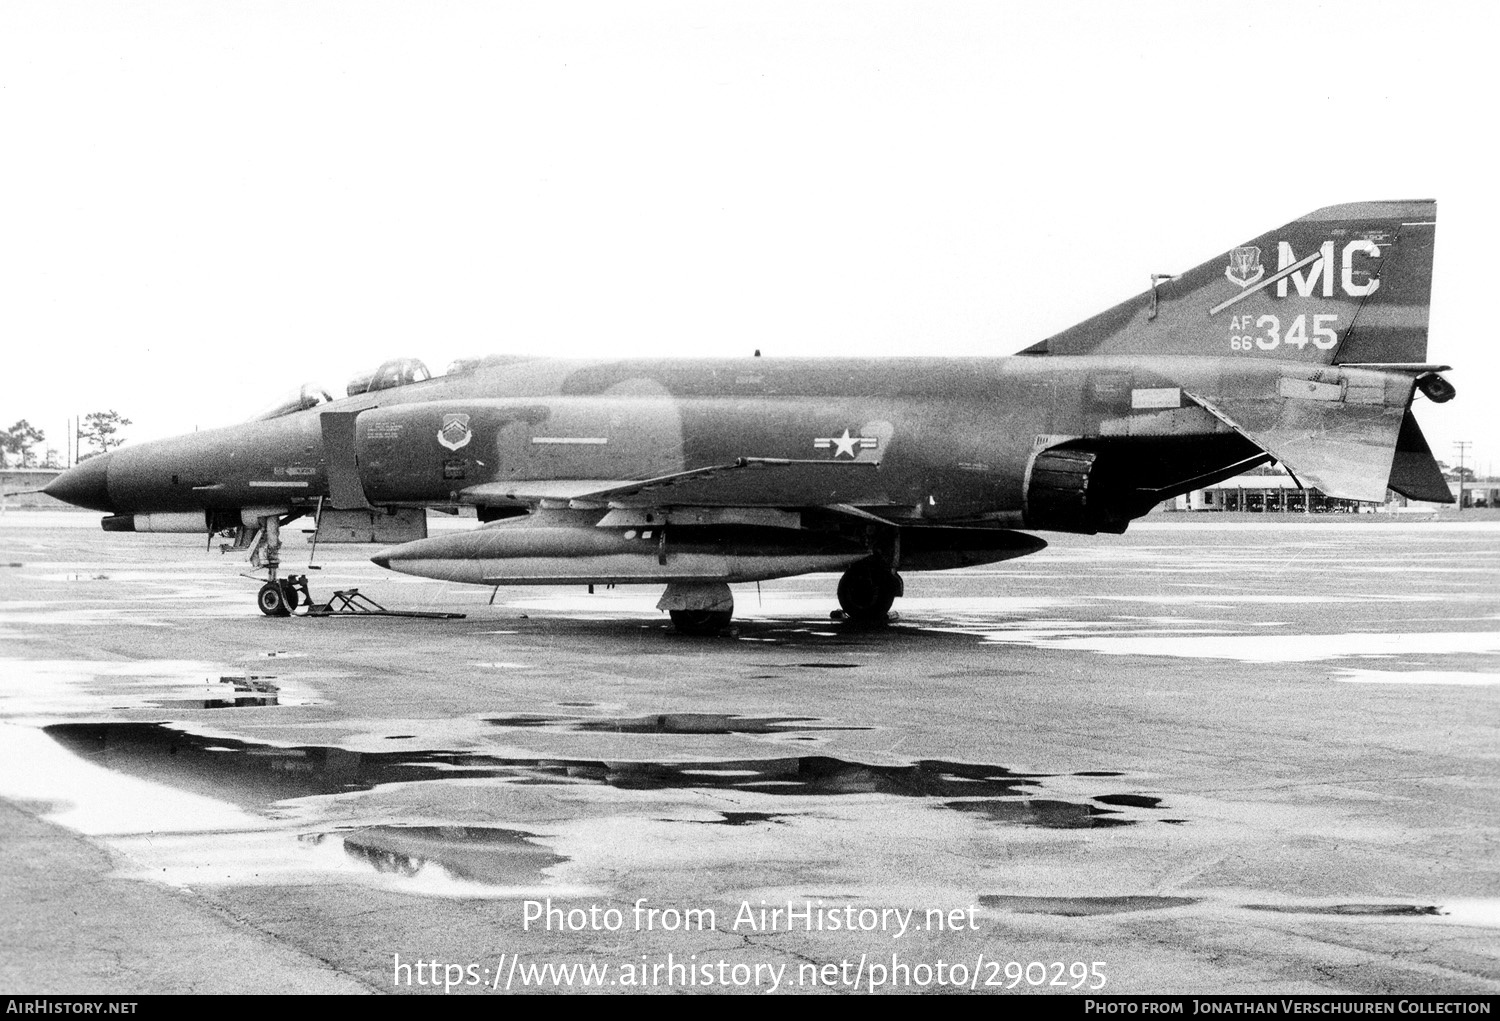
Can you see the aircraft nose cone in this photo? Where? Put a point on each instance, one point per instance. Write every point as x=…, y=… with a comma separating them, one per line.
x=84, y=485
x=382, y=559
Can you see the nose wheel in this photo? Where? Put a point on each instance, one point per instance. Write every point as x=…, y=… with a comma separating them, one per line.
x=867, y=590
x=272, y=600
x=279, y=598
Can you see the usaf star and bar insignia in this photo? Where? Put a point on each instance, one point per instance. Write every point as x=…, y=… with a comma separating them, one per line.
x=846, y=444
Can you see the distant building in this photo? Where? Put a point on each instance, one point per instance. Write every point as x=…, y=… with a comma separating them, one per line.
x=1479, y=492
x=1274, y=492
x=25, y=481
x=1265, y=494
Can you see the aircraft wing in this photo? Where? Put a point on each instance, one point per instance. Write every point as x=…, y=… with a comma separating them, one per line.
x=744, y=482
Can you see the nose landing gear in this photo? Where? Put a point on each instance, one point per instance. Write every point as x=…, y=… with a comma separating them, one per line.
x=278, y=596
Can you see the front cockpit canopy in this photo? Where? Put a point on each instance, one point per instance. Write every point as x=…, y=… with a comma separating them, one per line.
x=308, y=395
x=396, y=372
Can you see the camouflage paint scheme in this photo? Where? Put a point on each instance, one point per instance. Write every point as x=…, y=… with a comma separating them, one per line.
x=1304, y=345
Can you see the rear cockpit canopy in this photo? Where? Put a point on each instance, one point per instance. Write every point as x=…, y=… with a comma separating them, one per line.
x=396, y=372
x=308, y=395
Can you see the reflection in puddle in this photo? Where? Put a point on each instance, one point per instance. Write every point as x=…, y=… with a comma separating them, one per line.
x=258, y=774
x=55, y=686
x=478, y=854
x=670, y=723
x=249, y=690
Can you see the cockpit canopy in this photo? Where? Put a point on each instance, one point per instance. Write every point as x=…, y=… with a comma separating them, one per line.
x=396, y=372
x=308, y=395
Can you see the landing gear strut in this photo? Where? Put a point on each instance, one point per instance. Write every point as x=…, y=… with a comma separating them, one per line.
x=867, y=590
x=278, y=596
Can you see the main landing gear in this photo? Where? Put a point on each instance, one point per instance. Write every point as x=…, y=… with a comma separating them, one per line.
x=698, y=608
x=867, y=590
x=701, y=622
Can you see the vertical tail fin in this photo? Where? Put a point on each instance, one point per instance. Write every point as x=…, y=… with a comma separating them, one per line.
x=1347, y=284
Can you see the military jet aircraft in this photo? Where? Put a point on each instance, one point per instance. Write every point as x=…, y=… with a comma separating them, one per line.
x=1303, y=346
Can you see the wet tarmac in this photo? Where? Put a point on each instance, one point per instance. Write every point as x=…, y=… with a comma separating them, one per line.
x=1216, y=758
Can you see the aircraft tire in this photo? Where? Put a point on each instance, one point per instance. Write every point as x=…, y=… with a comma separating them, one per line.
x=700, y=622
x=867, y=590
x=272, y=600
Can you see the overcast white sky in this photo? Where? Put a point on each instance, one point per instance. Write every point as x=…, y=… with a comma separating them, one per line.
x=204, y=204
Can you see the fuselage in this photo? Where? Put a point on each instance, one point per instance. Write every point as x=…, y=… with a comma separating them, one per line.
x=954, y=438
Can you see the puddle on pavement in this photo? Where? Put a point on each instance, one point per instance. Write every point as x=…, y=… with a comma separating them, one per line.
x=1358, y=910
x=1049, y=814
x=1481, y=912
x=741, y=819
x=672, y=723
x=198, y=809
x=1129, y=800
x=1074, y=907
x=431, y=861
x=41, y=688
x=256, y=775
x=1305, y=648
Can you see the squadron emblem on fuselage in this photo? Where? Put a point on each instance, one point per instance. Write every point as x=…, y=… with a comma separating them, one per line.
x=455, y=432
x=1244, y=266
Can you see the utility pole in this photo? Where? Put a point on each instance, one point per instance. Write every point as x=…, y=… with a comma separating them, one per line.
x=1462, y=446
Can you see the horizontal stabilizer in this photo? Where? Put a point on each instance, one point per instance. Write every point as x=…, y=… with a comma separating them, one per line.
x=1344, y=450
x=746, y=482
x=1415, y=473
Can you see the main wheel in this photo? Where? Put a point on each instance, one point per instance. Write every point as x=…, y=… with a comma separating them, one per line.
x=701, y=622
x=272, y=600
x=867, y=590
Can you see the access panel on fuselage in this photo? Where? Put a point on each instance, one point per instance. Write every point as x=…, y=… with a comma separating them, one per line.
x=431, y=451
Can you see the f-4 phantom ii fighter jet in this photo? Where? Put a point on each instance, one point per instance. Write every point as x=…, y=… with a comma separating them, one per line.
x=1303, y=346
